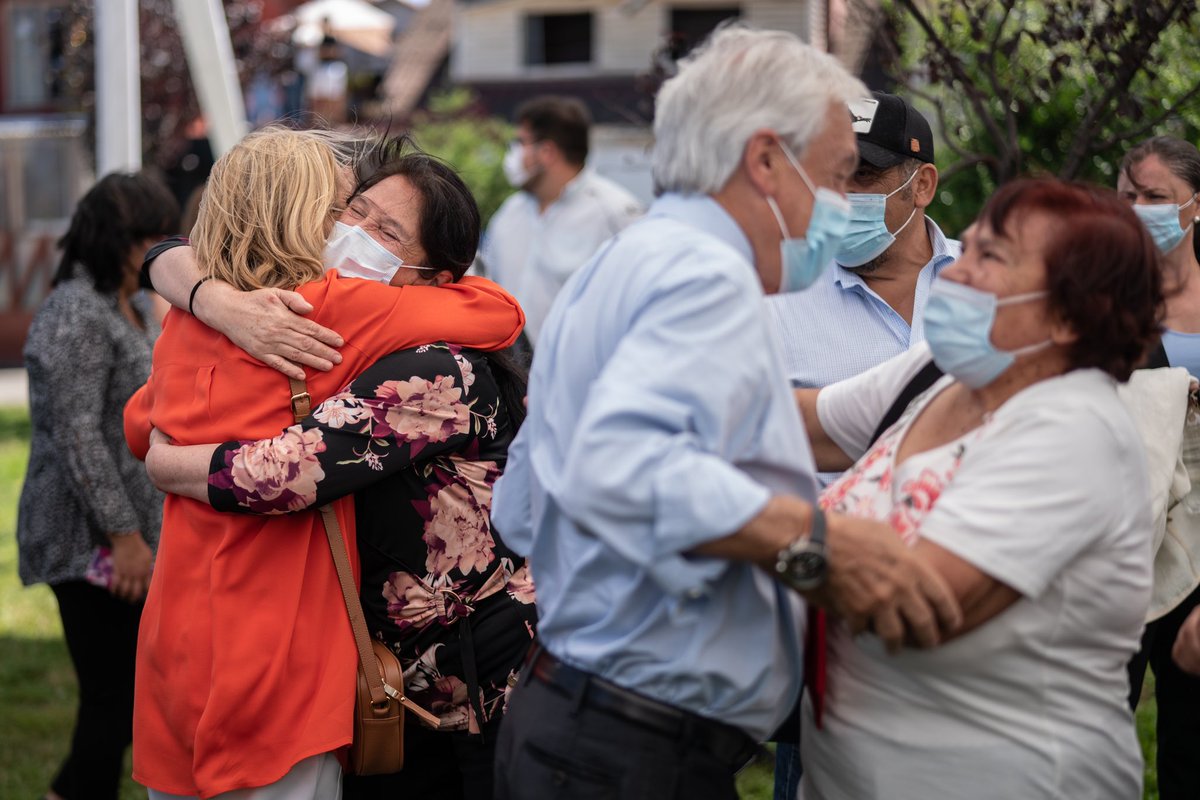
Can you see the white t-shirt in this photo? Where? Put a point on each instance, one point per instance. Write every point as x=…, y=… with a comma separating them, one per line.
x=532, y=252
x=1050, y=497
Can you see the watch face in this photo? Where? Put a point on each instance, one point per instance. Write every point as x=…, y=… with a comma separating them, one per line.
x=802, y=566
x=807, y=566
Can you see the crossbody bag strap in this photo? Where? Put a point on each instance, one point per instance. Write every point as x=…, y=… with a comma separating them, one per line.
x=380, y=691
x=927, y=377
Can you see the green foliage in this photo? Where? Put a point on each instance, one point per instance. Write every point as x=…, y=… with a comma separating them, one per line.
x=455, y=130
x=1018, y=87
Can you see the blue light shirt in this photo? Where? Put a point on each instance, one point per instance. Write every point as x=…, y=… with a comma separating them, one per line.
x=660, y=419
x=1183, y=350
x=840, y=327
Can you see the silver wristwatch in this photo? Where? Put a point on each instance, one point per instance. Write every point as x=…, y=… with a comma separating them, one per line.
x=802, y=565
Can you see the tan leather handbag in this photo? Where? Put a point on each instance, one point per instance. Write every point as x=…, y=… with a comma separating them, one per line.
x=379, y=704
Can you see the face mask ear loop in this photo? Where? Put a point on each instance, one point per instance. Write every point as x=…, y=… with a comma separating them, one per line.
x=901, y=186
x=791, y=157
x=1022, y=298
x=778, y=216
x=905, y=225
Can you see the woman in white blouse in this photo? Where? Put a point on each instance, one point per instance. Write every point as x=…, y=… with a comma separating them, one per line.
x=1020, y=476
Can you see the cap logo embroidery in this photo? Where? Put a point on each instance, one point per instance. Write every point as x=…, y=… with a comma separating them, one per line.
x=915, y=145
x=862, y=114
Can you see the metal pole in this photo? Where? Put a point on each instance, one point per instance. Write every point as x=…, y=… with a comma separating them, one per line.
x=118, y=87
x=214, y=72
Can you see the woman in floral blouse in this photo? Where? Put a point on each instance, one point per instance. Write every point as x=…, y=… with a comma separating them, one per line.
x=419, y=438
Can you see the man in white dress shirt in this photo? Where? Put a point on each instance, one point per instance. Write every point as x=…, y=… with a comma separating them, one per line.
x=562, y=213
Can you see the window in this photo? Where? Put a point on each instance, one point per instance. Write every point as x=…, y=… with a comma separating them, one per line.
x=33, y=55
x=558, y=39
x=693, y=25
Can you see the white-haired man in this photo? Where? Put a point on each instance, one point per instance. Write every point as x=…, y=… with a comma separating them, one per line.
x=662, y=484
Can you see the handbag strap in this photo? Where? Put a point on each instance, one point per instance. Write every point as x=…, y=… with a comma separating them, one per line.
x=380, y=691
x=928, y=376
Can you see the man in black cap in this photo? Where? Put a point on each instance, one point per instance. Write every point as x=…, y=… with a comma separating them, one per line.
x=866, y=308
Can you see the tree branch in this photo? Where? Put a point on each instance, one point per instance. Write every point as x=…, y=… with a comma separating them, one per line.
x=1146, y=127
x=968, y=163
x=974, y=96
x=1131, y=64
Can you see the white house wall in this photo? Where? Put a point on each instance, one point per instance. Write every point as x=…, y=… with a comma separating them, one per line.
x=490, y=36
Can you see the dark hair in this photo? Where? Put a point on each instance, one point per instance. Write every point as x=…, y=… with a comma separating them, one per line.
x=450, y=222
x=1180, y=157
x=449, y=234
x=120, y=211
x=907, y=168
x=512, y=379
x=1102, y=269
x=562, y=120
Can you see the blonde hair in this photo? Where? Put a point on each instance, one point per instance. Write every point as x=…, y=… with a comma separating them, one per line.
x=267, y=210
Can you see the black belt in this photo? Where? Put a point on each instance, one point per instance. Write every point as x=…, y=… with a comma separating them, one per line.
x=725, y=742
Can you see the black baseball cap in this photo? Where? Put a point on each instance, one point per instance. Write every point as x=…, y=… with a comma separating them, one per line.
x=890, y=130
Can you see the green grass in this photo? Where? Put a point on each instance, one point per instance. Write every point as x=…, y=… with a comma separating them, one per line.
x=38, y=691
x=37, y=682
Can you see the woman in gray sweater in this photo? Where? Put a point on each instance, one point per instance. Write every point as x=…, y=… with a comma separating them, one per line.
x=89, y=518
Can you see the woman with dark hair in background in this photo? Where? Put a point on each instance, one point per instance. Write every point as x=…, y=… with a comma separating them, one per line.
x=419, y=437
x=89, y=519
x=1160, y=178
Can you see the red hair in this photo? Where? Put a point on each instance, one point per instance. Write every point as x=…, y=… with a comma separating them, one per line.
x=1102, y=269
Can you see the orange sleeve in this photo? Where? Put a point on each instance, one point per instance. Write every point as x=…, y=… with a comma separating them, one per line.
x=380, y=319
x=137, y=420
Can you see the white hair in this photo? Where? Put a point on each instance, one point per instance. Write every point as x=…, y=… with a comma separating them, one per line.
x=741, y=81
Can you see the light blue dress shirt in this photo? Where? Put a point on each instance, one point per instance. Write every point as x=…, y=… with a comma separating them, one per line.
x=659, y=419
x=840, y=327
x=1183, y=350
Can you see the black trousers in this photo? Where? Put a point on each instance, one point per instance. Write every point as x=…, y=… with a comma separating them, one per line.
x=446, y=766
x=557, y=747
x=101, y=633
x=1178, y=696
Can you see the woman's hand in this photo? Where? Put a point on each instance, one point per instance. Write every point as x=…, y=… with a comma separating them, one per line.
x=132, y=562
x=267, y=324
x=158, y=437
x=1186, y=650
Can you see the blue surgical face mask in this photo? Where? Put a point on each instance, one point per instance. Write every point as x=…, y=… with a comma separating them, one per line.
x=1162, y=221
x=958, y=327
x=354, y=254
x=867, y=236
x=802, y=260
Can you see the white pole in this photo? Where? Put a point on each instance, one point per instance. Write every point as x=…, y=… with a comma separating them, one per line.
x=214, y=73
x=118, y=87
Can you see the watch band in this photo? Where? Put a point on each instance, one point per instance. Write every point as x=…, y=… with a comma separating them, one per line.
x=817, y=529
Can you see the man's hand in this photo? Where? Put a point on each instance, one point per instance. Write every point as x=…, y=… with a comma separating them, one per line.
x=1186, y=650
x=267, y=324
x=876, y=580
x=132, y=561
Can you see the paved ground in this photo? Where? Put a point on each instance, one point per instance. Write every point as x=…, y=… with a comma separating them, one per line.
x=14, y=388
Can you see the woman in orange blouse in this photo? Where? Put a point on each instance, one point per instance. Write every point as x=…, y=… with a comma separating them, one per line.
x=246, y=662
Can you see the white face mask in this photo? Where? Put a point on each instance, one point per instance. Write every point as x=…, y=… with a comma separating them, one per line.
x=354, y=254
x=514, y=166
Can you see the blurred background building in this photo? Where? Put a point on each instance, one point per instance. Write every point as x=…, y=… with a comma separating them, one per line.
x=452, y=71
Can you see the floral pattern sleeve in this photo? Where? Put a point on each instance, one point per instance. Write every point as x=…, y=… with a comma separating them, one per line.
x=375, y=427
